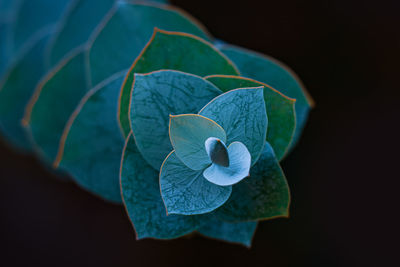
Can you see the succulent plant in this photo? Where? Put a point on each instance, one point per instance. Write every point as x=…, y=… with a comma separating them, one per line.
x=138, y=104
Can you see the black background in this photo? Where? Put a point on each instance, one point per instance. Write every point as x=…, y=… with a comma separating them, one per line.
x=343, y=174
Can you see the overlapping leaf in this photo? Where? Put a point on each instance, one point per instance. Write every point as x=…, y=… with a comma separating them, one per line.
x=93, y=66
x=275, y=74
x=264, y=195
x=186, y=191
x=141, y=195
x=280, y=110
x=177, y=51
x=188, y=134
x=155, y=97
x=241, y=113
x=91, y=147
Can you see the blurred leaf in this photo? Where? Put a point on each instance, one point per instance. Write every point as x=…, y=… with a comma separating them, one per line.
x=186, y=191
x=123, y=35
x=188, y=134
x=241, y=233
x=157, y=95
x=141, y=196
x=15, y=92
x=241, y=113
x=91, y=146
x=76, y=27
x=238, y=169
x=276, y=74
x=280, y=110
x=177, y=51
x=263, y=195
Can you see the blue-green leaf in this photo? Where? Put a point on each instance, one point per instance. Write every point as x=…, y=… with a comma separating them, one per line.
x=242, y=114
x=45, y=116
x=266, y=69
x=238, y=169
x=157, y=95
x=177, y=51
x=188, y=134
x=280, y=110
x=76, y=27
x=240, y=233
x=264, y=195
x=15, y=91
x=141, y=196
x=91, y=145
x=186, y=191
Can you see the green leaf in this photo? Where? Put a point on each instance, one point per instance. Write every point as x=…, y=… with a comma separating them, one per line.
x=76, y=27
x=240, y=233
x=91, y=145
x=238, y=169
x=264, y=195
x=186, y=191
x=15, y=92
x=277, y=75
x=242, y=114
x=157, y=95
x=280, y=110
x=188, y=134
x=87, y=66
x=141, y=196
x=177, y=51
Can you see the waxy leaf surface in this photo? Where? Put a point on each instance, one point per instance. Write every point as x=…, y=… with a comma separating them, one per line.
x=91, y=147
x=142, y=199
x=263, y=195
x=238, y=169
x=48, y=111
x=275, y=74
x=280, y=110
x=240, y=233
x=186, y=191
x=155, y=97
x=177, y=51
x=188, y=134
x=241, y=113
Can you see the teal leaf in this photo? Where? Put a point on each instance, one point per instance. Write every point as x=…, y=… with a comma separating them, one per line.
x=51, y=106
x=143, y=203
x=242, y=114
x=238, y=169
x=277, y=75
x=280, y=110
x=32, y=19
x=15, y=90
x=76, y=27
x=157, y=95
x=188, y=134
x=87, y=66
x=264, y=195
x=239, y=233
x=91, y=144
x=177, y=51
x=186, y=191
x=217, y=151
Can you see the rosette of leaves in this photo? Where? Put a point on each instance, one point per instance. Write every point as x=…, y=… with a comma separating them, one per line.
x=83, y=107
